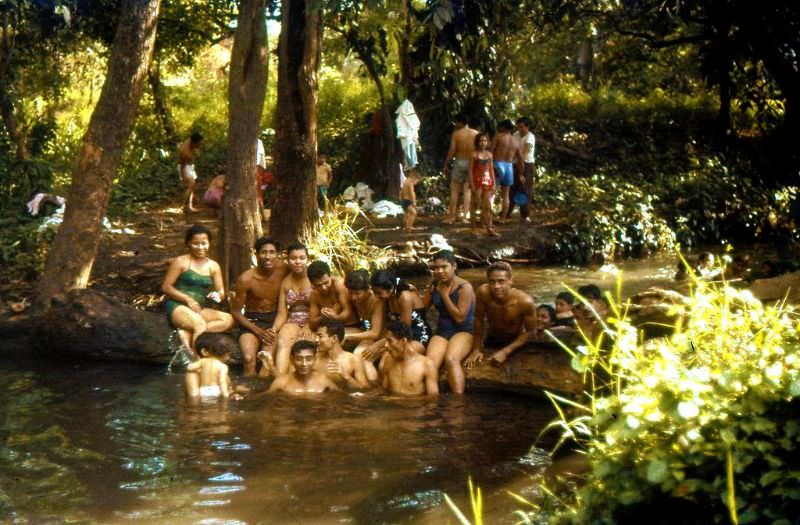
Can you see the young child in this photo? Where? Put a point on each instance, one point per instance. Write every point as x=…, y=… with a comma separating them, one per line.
x=564, y=315
x=207, y=378
x=408, y=199
x=482, y=182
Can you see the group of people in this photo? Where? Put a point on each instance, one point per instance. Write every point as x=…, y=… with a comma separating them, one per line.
x=315, y=331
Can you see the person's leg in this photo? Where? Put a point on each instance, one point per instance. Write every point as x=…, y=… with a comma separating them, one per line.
x=286, y=338
x=467, y=201
x=487, y=210
x=452, y=210
x=184, y=318
x=437, y=349
x=476, y=201
x=188, y=195
x=217, y=321
x=412, y=216
x=459, y=348
x=524, y=210
x=191, y=382
x=505, y=199
x=250, y=345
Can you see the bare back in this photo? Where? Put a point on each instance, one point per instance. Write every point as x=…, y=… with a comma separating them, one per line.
x=505, y=147
x=463, y=142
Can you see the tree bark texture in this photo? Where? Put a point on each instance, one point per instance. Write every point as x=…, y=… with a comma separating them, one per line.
x=295, y=124
x=71, y=257
x=246, y=90
x=160, y=106
x=7, y=108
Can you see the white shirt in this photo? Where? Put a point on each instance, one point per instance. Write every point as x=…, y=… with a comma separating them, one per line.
x=529, y=138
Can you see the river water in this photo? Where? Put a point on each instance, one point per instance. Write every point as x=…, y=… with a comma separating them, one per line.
x=115, y=443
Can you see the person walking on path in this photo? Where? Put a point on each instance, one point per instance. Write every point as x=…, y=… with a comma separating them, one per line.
x=523, y=180
x=462, y=144
x=187, y=152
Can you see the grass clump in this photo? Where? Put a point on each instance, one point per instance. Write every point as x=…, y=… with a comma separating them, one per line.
x=701, y=424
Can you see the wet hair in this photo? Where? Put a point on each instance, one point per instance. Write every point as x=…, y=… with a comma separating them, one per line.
x=524, y=121
x=550, y=310
x=196, y=137
x=317, y=270
x=196, y=229
x=499, y=266
x=590, y=291
x=218, y=345
x=505, y=125
x=304, y=344
x=334, y=327
x=357, y=280
x=478, y=138
x=460, y=119
x=296, y=246
x=400, y=330
x=388, y=280
x=567, y=297
x=262, y=241
x=445, y=255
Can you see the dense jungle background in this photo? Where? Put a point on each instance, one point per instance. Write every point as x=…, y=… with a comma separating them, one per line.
x=657, y=123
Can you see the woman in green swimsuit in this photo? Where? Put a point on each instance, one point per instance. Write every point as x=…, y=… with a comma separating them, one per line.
x=192, y=281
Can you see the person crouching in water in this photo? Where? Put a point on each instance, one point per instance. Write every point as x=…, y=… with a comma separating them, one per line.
x=482, y=183
x=454, y=299
x=303, y=379
x=207, y=378
x=405, y=372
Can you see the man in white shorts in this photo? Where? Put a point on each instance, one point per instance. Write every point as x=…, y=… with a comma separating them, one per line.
x=187, y=152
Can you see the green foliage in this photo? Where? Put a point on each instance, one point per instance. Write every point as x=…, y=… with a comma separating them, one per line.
x=682, y=422
x=602, y=216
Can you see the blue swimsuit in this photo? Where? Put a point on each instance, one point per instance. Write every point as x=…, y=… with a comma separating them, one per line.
x=446, y=326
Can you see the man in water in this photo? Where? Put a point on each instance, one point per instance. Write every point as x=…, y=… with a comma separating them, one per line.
x=505, y=317
x=329, y=300
x=405, y=372
x=304, y=379
x=462, y=144
x=505, y=152
x=187, y=152
x=344, y=368
x=255, y=304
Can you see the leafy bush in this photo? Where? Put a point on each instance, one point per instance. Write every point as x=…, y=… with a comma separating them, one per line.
x=602, y=215
x=702, y=422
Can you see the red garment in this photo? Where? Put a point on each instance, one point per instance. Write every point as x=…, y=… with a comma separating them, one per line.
x=482, y=171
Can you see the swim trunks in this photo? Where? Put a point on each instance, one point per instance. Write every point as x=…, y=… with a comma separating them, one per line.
x=405, y=203
x=498, y=341
x=188, y=172
x=263, y=320
x=210, y=391
x=504, y=173
x=460, y=171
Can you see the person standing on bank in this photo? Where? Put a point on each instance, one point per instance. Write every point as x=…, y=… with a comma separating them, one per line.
x=462, y=144
x=187, y=152
x=324, y=179
x=523, y=180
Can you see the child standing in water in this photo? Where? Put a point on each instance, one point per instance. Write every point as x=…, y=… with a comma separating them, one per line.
x=482, y=182
x=207, y=378
x=408, y=199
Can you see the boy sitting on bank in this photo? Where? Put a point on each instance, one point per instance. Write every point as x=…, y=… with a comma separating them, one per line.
x=207, y=378
x=408, y=200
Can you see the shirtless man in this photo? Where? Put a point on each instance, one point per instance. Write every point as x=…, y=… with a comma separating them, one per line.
x=187, y=152
x=304, y=379
x=462, y=144
x=504, y=316
x=255, y=303
x=505, y=151
x=405, y=372
x=329, y=300
x=344, y=368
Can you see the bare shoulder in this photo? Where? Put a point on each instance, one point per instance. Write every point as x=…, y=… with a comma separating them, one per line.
x=463, y=284
x=245, y=278
x=181, y=261
x=482, y=293
x=524, y=299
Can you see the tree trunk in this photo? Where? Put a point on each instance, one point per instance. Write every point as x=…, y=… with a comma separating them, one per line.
x=296, y=119
x=7, y=110
x=391, y=162
x=71, y=257
x=160, y=106
x=246, y=90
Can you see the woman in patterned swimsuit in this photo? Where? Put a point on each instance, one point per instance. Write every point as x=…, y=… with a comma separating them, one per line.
x=403, y=303
x=293, y=306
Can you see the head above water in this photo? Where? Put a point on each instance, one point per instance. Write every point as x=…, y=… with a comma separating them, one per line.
x=220, y=346
x=303, y=345
x=332, y=328
x=499, y=266
x=317, y=270
x=545, y=314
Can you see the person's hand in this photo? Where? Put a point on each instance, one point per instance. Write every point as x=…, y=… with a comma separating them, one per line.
x=328, y=312
x=334, y=369
x=194, y=305
x=522, y=179
x=498, y=358
x=444, y=288
x=267, y=336
x=473, y=359
x=373, y=351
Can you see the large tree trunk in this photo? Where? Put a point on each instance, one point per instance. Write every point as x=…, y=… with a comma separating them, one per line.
x=160, y=105
x=296, y=119
x=246, y=91
x=71, y=257
x=7, y=109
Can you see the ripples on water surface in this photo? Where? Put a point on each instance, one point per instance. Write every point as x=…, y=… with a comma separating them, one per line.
x=116, y=444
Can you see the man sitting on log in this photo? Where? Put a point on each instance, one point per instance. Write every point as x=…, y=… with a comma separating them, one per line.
x=505, y=317
x=255, y=304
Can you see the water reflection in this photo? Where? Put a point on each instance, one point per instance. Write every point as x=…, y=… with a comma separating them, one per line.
x=116, y=443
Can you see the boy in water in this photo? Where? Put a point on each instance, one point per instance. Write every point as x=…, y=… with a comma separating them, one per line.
x=207, y=378
x=408, y=200
x=564, y=316
x=405, y=372
x=304, y=379
x=344, y=368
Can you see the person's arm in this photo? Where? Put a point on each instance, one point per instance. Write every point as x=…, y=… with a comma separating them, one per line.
x=329, y=173
x=450, y=154
x=413, y=198
x=375, y=326
x=216, y=278
x=491, y=168
x=193, y=367
x=168, y=286
x=238, y=302
x=359, y=374
x=458, y=311
x=283, y=314
x=427, y=297
x=343, y=298
x=278, y=384
x=406, y=302
x=431, y=378
x=224, y=381
x=384, y=374
x=531, y=325
x=479, y=332
x=314, y=311
x=470, y=178
x=330, y=384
